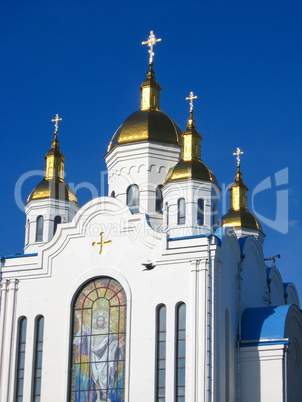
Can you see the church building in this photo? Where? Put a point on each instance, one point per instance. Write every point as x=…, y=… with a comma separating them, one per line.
x=146, y=294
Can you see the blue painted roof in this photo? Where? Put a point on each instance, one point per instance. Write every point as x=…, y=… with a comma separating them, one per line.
x=264, y=323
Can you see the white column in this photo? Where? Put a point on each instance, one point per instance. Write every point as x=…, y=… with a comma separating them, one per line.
x=8, y=344
x=4, y=286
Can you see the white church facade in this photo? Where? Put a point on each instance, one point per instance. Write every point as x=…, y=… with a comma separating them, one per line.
x=145, y=294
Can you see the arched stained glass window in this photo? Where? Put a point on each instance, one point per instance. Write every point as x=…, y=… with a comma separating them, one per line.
x=57, y=221
x=159, y=199
x=99, y=342
x=133, y=198
x=39, y=228
x=181, y=211
x=21, y=346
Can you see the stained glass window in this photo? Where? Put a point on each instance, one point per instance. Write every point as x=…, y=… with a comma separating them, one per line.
x=99, y=342
x=180, y=352
x=38, y=359
x=20, y=359
x=161, y=354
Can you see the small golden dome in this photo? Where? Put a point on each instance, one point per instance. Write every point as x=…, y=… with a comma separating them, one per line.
x=239, y=215
x=147, y=125
x=53, y=184
x=242, y=218
x=53, y=189
x=195, y=170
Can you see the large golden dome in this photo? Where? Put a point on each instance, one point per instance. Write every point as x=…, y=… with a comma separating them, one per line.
x=147, y=125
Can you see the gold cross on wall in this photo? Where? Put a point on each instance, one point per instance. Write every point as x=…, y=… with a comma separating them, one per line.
x=101, y=243
x=150, y=43
x=238, y=153
x=57, y=119
x=190, y=98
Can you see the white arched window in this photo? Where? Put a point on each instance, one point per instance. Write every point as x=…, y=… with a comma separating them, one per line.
x=161, y=353
x=57, y=221
x=200, y=211
x=133, y=198
x=180, y=352
x=181, y=211
x=38, y=350
x=159, y=199
x=39, y=228
x=20, y=355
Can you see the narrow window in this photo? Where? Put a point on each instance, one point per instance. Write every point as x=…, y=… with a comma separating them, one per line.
x=159, y=199
x=133, y=198
x=180, y=352
x=113, y=194
x=99, y=342
x=57, y=221
x=213, y=216
x=39, y=228
x=28, y=231
x=161, y=354
x=21, y=346
x=200, y=211
x=38, y=352
x=181, y=211
x=167, y=213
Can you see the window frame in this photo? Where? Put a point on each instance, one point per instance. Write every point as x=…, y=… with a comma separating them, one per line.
x=181, y=211
x=39, y=228
x=133, y=201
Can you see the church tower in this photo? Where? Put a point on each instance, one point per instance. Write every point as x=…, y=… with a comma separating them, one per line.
x=51, y=202
x=239, y=218
x=142, y=151
x=191, y=189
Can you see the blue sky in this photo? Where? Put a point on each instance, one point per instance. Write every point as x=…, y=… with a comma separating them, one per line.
x=84, y=60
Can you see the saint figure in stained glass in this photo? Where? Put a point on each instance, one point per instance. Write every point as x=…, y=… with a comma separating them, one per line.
x=99, y=343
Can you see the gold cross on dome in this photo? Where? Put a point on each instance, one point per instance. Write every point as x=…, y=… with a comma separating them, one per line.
x=190, y=98
x=238, y=153
x=57, y=119
x=150, y=43
x=102, y=243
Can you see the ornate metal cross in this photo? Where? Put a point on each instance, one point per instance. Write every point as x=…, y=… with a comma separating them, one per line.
x=57, y=119
x=190, y=98
x=238, y=153
x=101, y=243
x=150, y=43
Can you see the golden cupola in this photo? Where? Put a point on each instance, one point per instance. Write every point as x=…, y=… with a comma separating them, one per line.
x=190, y=165
x=239, y=216
x=53, y=185
x=149, y=123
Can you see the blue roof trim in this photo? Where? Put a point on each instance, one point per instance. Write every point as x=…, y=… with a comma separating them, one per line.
x=264, y=323
x=219, y=233
x=262, y=343
x=17, y=256
x=187, y=237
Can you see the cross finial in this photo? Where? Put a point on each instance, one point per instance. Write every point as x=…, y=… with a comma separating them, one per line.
x=57, y=119
x=190, y=98
x=101, y=243
x=238, y=153
x=150, y=43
